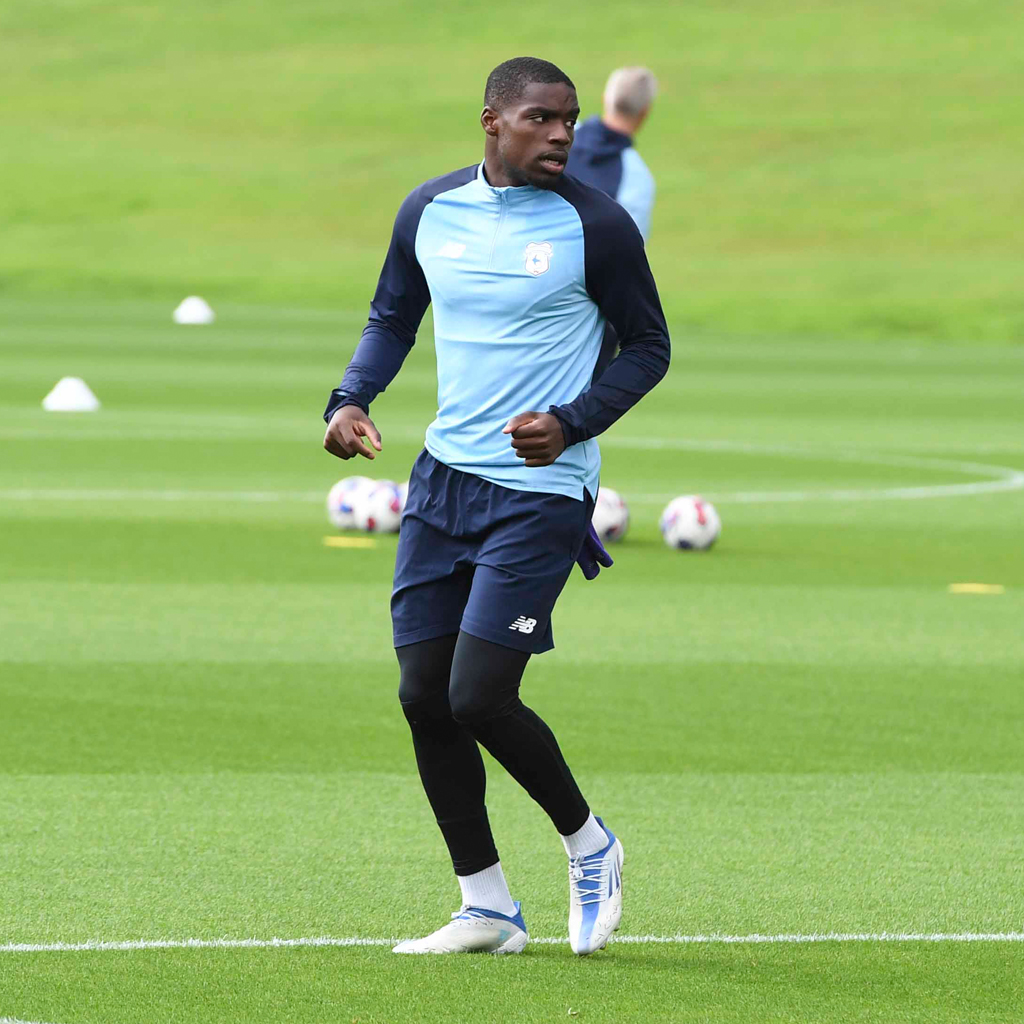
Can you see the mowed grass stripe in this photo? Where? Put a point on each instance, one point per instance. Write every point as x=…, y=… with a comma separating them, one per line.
x=1004, y=479
x=923, y=983
x=355, y=853
x=999, y=478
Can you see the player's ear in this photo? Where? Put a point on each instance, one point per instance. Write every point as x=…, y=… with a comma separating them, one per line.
x=488, y=119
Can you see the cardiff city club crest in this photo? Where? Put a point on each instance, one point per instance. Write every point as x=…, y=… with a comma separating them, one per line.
x=538, y=258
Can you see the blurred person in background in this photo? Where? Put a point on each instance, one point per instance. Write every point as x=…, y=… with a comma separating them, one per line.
x=603, y=156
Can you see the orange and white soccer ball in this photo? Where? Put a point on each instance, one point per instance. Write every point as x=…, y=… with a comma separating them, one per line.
x=690, y=523
x=611, y=516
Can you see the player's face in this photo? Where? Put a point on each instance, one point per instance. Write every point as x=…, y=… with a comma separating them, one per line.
x=534, y=134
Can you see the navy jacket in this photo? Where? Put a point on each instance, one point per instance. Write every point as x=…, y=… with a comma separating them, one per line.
x=606, y=159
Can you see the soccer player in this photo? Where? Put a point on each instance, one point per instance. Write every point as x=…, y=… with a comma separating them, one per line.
x=523, y=265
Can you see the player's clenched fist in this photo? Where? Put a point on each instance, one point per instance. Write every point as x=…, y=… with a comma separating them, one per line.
x=346, y=432
x=536, y=437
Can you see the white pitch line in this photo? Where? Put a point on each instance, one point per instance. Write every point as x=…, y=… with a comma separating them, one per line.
x=758, y=939
x=232, y=428
x=755, y=938
x=1001, y=479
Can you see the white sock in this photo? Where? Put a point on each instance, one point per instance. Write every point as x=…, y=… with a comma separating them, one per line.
x=487, y=890
x=587, y=840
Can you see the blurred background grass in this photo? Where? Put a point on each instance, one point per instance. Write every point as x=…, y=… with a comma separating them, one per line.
x=825, y=168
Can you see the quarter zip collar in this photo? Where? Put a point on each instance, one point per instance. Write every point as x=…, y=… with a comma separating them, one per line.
x=510, y=194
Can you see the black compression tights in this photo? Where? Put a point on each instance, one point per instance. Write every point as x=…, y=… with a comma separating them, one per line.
x=457, y=691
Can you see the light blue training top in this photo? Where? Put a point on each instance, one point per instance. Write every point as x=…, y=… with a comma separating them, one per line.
x=522, y=281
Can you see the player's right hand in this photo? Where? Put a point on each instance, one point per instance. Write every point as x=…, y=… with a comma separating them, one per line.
x=346, y=431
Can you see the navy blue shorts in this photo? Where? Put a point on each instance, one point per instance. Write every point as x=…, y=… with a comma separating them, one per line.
x=482, y=558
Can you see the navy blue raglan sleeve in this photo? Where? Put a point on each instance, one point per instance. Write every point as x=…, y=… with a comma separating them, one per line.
x=619, y=280
x=397, y=308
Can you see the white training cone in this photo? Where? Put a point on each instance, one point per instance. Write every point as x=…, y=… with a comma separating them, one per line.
x=193, y=310
x=71, y=394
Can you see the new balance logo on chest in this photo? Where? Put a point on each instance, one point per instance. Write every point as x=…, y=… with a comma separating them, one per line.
x=453, y=250
x=523, y=624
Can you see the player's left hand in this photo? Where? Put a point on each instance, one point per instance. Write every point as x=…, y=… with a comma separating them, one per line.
x=536, y=437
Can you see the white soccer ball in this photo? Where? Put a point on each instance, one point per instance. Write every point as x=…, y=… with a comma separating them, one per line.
x=690, y=523
x=344, y=498
x=379, y=510
x=611, y=515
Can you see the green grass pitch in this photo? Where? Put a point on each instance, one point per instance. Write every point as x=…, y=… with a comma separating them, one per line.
x=800, y=732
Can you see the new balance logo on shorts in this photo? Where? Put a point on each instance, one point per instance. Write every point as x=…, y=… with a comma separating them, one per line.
x=523, y=624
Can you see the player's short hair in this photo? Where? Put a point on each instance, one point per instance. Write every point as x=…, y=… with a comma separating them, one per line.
x=630, y=91
x=508, y=81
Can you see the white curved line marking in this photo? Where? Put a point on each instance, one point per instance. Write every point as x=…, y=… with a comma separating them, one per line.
x=1000, y=479
x=232, y=428
x=755, y=938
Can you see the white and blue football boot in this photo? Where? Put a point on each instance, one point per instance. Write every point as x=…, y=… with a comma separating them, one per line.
x=473, y=930
x=595, y=896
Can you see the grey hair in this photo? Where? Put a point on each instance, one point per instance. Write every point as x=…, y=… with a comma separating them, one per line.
x=630, y=91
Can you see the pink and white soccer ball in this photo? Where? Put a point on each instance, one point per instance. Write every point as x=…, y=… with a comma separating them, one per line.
x=690, y=523
x=611, y=515
x=380, y=509
x=344, y=498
